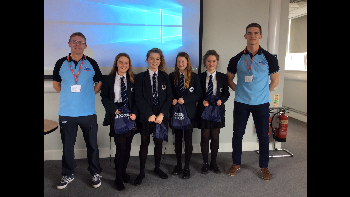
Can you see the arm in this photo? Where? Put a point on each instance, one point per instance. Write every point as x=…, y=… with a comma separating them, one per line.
x=144, y=109
x=230, y=82
x=169, y=98
x=225, y=90
x=57, y=86
x=106, y=101
x=197, y=91
x=275, y=78
x=97, y=87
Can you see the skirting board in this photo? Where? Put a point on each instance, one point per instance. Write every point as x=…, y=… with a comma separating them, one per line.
x=167, y=149
x=297, y=116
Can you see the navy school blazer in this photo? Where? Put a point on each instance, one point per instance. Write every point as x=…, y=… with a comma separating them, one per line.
x=107, y=94
x=191, y=94
x=144, y=97
x=222, y=91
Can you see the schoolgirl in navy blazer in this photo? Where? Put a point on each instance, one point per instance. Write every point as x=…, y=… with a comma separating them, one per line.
x=210, y=129
x=151, y=111
x=121, y=68
x=192, y=93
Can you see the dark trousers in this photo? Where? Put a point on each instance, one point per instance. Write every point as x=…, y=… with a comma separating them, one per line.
x=185, y=134
x=260, y=114
x=68, y=129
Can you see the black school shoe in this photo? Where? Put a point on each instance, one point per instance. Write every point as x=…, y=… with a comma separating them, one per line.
x=215, y=168
x=119, y=184
x=205, y=168
x=177, y=170
x=160, y=173
x=126, y=177
x=139, y=178
x=186, y=174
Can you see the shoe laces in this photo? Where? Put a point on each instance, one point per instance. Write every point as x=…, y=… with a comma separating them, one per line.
x=65, y=179
x=265, y=171
x=96, y=177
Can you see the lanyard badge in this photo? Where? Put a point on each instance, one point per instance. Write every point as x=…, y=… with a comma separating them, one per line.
x=250, y=77
x=76, y=87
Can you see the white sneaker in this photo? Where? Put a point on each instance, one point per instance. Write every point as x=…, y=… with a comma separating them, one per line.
x=64, y=181
x=96, y=180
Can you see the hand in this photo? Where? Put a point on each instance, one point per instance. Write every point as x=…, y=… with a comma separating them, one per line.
x=132, y=116
x=152, y=118
x=181, y=101
x=205, y=103
x=174, y=102
x=219, y=102
x=117, y=112
x=159, y=118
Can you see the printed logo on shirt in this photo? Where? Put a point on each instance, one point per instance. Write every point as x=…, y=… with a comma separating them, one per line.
x=262, y=62
x=87, y=69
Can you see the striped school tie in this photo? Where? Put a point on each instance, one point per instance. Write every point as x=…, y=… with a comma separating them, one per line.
x=210, y=86
x=155, y=97
x=181, y=86
x=123, y=92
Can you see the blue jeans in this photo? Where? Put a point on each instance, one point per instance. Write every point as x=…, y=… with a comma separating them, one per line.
x=260, y=114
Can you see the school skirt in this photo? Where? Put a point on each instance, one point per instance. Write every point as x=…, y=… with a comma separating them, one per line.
x=147, y=128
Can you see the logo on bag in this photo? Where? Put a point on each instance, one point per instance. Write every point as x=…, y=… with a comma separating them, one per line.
x=120, y=115
x=178, y=116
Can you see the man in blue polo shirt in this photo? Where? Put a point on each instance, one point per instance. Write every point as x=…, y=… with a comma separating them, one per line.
x=78, y=78
x=254, y=67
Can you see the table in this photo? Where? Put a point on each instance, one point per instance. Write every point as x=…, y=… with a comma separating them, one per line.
x=49, y=126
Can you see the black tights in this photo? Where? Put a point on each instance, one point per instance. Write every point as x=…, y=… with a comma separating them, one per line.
x=158, y=145
x=212, y=134
x=122, y=155
x=187, y=134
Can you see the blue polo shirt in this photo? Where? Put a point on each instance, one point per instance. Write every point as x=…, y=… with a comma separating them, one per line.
x=256, y=92
x=75, y=104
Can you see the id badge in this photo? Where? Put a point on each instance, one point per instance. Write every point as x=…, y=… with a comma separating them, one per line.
x=75, y=88
x=248, y=78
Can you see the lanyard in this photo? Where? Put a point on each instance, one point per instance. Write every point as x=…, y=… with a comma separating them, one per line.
x=76, y=77
x=249, y=68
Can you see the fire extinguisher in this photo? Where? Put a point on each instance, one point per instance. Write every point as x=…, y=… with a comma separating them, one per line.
x=281, y=132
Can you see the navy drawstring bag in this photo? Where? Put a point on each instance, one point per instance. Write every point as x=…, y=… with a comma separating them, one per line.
x=160, y=132
x=179, y=118
x=122, y=121
x=212, y=112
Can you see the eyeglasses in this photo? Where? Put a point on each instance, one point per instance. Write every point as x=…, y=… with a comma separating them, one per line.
x=77, y=42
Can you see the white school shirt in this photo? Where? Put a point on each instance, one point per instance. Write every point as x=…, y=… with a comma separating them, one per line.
x=150, y=77
x=214, y=82
x=117, y=88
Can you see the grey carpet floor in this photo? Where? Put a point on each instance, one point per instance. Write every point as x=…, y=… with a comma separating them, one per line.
x=289, y=175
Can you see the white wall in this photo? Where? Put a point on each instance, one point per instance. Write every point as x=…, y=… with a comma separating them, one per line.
x=295, y=93
x=224, y=24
